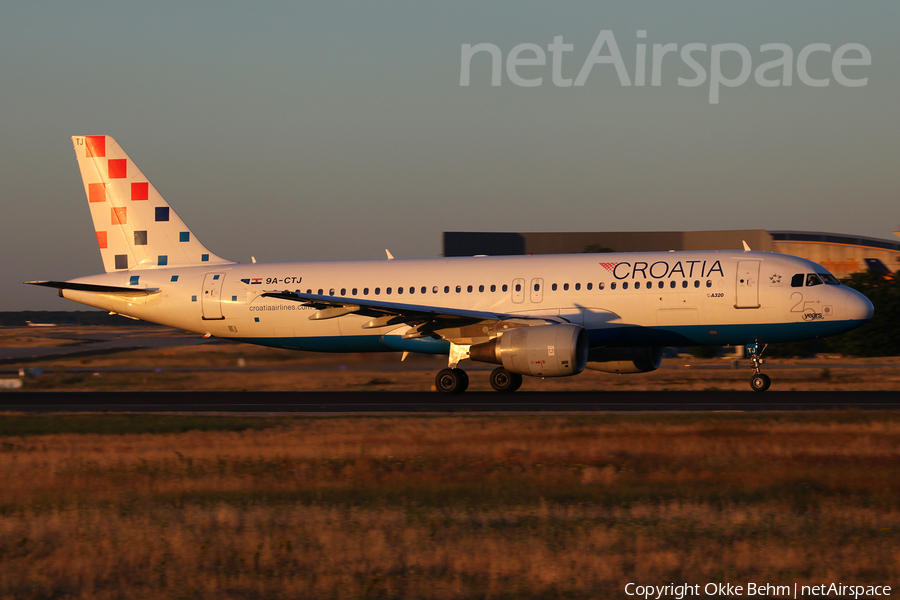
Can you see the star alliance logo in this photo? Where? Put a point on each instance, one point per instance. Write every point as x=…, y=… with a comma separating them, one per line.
x=775, y=279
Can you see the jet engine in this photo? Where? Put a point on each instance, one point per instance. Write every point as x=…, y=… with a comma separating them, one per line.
x=624, y=360
x=539, y=351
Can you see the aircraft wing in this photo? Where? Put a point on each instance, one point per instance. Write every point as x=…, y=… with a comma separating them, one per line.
x=425, y=318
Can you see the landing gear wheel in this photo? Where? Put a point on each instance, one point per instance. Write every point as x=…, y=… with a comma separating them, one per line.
x=760, y=382
x=504, y=381
x=451, y=381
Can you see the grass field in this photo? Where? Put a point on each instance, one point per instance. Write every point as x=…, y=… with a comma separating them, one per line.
x=245, y=367
x=165, y=506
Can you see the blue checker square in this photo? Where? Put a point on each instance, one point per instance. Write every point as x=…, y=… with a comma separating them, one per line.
x=133, y=280
x=162, y=260
x=184, y=236
x=174, y=278
x=162, y=213
x=205, y=258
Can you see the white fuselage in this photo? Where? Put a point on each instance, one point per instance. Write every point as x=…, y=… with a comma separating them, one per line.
x=621, y=299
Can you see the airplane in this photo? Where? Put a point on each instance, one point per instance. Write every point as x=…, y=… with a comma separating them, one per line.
x=30, y=324
x=540, y=316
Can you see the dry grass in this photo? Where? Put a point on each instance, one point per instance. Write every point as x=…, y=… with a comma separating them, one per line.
x=247, y=367
x=448, y=507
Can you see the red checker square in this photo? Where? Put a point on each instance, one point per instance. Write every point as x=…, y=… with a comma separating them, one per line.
x=101, y=239
x=96, y=192
x=96, y=145
x=140, y=191
x=117, y=168
x=119, y=215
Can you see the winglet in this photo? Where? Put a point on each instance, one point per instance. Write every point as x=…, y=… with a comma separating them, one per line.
x=746, y=246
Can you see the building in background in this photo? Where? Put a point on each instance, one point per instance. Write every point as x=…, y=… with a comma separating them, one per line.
x=840, y=254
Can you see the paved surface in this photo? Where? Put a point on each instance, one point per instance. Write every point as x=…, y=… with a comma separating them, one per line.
x=373, y=402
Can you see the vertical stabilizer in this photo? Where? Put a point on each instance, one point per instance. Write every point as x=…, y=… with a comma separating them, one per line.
x=136, y=228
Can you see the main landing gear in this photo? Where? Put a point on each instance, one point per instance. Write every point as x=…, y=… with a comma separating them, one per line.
x=451, y=381
x=760, y=382
x=455, y=381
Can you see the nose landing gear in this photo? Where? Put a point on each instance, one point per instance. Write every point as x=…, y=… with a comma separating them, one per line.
x=760, y=382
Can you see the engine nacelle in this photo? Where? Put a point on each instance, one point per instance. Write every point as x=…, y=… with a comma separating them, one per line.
x=624, y=360
x=539, y=351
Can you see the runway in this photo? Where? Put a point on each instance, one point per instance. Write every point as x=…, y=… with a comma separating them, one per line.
x=432, y=402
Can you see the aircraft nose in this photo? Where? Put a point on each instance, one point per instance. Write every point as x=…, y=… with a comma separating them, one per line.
x=859, y=308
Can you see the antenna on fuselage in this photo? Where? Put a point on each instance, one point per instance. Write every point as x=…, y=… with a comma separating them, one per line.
x=746, y=246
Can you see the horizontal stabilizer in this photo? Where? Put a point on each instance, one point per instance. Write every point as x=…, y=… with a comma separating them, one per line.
x=100, y=289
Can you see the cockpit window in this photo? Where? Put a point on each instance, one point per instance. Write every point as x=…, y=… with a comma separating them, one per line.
x=797, y=280
x=829, y=279
x=812, y=279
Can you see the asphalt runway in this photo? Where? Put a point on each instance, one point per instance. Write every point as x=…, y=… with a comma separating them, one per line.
x=432, y=402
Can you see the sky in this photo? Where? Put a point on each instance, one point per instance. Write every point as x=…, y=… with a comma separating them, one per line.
x=334, y=130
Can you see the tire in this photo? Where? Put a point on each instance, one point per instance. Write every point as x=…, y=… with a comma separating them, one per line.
x=760, y=382
x=504, y=381
x=451, y=381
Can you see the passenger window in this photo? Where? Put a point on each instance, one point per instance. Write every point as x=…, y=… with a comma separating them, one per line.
x=797, y=280
x=708, y=283
x=577, y=286
x=813, y=279
x=493, y=288
x=377, y=291
x=320, y=291
x=480, y=288
x=446, y=289
x=661, y=285
x=434, y=290
x=553, y=287
x=505, y=287
x=399, y=290
x=518, y=287
x=412, y=290
x=637, y=285
x=343, y=291
x=672, y=284
x=624, y=285
x=600, y=286
x=566, y=287
x=537, y=287
x=684, y=283
x=388, y=291
x=365, y=291
x=469, y=289
x=590, y=286
x=612, y=286
x=458, y=289
x=354, y=291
